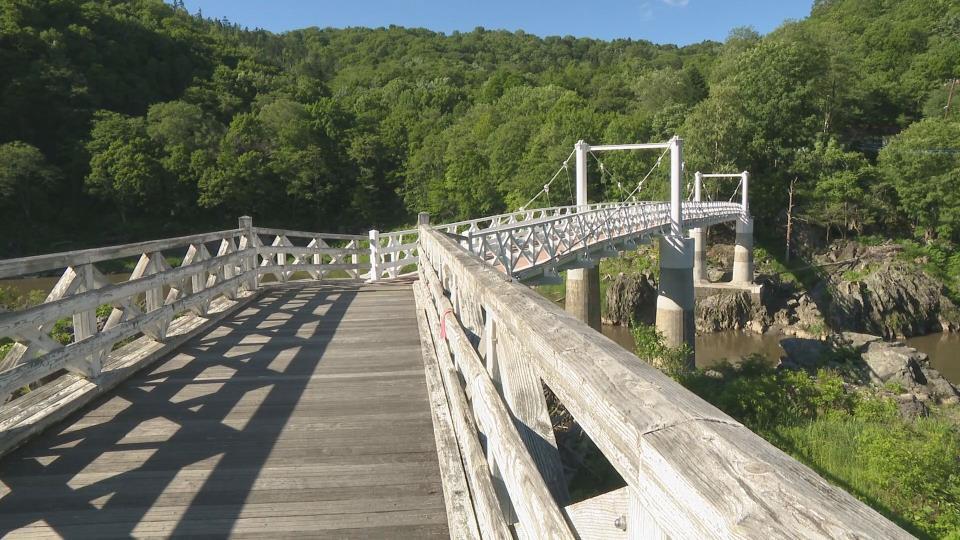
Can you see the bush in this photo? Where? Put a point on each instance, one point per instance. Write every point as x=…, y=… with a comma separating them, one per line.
x=649, y=345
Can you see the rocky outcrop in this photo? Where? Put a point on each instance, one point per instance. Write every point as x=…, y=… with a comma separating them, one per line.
x=631, y=298
x=903, y=372
x=723, y=311
x=803, y=353
x=897, y=365
x=880, y=293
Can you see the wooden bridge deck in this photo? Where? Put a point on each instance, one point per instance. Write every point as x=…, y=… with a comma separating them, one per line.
x=306, y=414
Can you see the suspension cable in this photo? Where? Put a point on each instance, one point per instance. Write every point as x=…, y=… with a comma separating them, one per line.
x=546, y=187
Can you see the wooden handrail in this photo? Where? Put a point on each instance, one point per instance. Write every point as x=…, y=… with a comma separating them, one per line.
x=23, y=266
x=692, y=471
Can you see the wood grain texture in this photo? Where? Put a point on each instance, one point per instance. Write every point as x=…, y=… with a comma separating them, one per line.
x=235, y=435
x=529, y=494
x=603, y=517
x=485, y=504
x=697, y=471
x=456, y=492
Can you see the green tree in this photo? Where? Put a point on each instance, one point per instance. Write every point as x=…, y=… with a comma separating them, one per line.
x=923, y=165
x=25, y=177
x=125, y=166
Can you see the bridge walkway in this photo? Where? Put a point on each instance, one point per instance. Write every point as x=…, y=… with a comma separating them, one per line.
x=305, y=414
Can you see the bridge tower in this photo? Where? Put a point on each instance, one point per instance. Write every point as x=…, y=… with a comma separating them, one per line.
x=675, y=301
x=743, y=251
x=583, y=284
x=699, y=236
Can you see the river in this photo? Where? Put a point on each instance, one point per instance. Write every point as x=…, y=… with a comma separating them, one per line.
x=943, y=348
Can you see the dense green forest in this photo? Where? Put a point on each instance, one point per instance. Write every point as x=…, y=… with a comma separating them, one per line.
x=135, y=119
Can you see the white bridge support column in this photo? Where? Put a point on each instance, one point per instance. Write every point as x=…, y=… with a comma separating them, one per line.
x=699, y=236
x=675, y=302
x=743, y=251
x=582, y=298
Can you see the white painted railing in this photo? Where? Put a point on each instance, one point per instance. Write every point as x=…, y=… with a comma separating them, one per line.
x=690, y=470
x=524, y=248
x=392, y=254
x=282, y=254
x=144, y=303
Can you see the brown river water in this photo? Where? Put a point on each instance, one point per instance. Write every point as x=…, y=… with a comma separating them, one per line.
x=943, y=349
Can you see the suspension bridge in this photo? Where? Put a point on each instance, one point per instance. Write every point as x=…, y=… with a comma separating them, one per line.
x=271, y=382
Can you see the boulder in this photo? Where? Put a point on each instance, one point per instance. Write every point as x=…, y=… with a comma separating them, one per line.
x=723, y=311
x=911, y=408
x=631, y=297
x=893, y=362
x=854, y=340
x=803, y=353
x=939, y=388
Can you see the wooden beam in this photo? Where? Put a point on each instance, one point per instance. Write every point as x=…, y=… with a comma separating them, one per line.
x=41, y=263
x=486, y=507
x=697, y=471
x=529, y=494
x=456, y=493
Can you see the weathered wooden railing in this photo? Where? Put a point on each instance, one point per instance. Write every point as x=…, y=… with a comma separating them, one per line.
x=156, y=307
x=691, y=471
x=283, y=253
x=143, y=315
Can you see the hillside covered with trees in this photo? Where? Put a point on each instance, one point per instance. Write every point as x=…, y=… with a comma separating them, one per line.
x=122, y=120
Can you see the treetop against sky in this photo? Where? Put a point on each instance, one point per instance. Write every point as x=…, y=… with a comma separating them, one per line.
x=661, y=21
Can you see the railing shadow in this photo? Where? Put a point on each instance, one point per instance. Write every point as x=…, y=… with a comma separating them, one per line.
x=164, y=448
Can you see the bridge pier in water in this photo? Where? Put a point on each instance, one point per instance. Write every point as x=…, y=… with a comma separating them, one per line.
x=675, y=301
x=743, y=252
x=583, y=295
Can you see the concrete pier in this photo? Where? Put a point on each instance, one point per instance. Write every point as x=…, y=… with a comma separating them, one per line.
x=675, y=303
x=583, y=295
x=743, y=252
x=699, y=236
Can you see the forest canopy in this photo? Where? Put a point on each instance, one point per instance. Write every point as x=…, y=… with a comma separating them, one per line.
x=122, y=120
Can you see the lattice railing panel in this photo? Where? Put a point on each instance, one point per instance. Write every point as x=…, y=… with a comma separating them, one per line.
x=64, y=332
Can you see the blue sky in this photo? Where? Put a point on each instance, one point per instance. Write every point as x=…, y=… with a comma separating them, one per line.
x=661, y=21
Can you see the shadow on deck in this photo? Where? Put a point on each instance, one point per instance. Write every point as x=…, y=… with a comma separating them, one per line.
x=305, y=414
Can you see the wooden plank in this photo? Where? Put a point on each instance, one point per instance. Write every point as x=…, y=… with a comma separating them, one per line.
x=529, y=494
x=523, y=392
x=641, y=522
x=641, y=419
x=216, y=444
x=485, y=504
x=456, y=492
x=603, y=517
x=304, y=234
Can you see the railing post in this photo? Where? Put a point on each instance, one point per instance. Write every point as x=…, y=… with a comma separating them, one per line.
x=374, y=255
x=745, y=195
x=250, y=261
x=581, y=149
